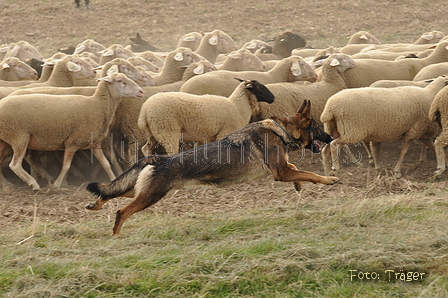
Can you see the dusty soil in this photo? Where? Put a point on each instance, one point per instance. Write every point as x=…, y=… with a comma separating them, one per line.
x=52, y=24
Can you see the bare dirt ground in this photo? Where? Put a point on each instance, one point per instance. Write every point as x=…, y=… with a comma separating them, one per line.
x=51, y=24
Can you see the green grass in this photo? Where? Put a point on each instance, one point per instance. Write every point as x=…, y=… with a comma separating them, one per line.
x=303, y=249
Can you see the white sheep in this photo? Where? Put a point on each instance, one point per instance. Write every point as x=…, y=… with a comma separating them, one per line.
x=400, y=83
x=191, y=40
x=115, y=51
x=69, y=71
x=173, y=67
x=215, y=43
x=363, y=37
x=432, y=71
x=254, y=45
x=430, y=37
x=242, y=60
x=222, y=82
x=438, y=113
x=22, y=50
x=56, y=122
x=89, y=45
x=125, y=124
x=368, y=71
x=290, y=96
x=379, y=115
x=117, y=65
x=171, y=117
x=152, y=57
x=148, y=66
x=14, y=69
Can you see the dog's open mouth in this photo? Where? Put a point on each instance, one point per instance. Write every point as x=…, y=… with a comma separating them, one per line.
x=314, y=146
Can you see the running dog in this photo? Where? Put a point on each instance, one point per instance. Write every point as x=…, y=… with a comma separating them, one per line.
x=243, y=155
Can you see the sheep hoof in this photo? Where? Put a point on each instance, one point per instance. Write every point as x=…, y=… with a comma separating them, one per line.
x=398, y=175
x=437, y=175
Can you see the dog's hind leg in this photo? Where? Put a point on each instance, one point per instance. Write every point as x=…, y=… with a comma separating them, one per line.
x=154, y=190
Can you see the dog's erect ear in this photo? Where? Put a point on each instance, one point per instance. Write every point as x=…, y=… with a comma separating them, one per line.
x=302, y=107
x=307, y=109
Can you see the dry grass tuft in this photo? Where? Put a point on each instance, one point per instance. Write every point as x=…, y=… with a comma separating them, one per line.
x=388, y=183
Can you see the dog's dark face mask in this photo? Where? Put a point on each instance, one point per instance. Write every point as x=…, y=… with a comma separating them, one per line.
x=309, y=132
x=317, y=134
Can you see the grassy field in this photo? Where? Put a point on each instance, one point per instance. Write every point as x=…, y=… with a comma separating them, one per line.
x=307, y=246
x=367, y=237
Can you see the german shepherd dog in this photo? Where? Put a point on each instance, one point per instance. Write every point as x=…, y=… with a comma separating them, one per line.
x=241, y=156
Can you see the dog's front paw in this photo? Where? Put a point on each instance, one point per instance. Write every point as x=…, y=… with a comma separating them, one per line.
x=332, y=180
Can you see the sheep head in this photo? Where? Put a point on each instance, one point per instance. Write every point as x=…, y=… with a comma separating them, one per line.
x=261, y=92
x=286, y=42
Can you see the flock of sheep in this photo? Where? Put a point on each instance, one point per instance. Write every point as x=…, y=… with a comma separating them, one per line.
x=88, y=96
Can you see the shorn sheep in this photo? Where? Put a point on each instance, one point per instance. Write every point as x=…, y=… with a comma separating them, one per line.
x=191, y=40
x=13, y=69
x=379, y=115
x=215, y=43
x=242, y=60
x=67, y=72
x=174, y=66
x=173, y=117
x=438, y=113
x=368, y=71
x=290, y=96
x=283, y=46
x=223, y=82
x=61, y=122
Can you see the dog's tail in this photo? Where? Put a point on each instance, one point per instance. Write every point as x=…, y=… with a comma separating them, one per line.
x=122, y=184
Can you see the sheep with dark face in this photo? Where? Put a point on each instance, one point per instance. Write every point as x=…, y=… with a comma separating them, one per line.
x=283, y=46
x=169, y=116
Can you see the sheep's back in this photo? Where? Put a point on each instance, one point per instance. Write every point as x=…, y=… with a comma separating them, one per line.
x=195, y=116
x=222, y=82
x=376, y=114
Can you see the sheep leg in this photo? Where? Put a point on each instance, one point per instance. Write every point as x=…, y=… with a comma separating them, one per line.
x=66, y=163
x=440, y=144
x=37, y=167
x=19, y=151
x=326, y=159
x=403, y=151
x=99, y=154
x=375, y=148
x=335, y=154
x=3, y=181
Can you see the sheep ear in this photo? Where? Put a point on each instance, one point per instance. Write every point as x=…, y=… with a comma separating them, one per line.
x=427, y=36
x=73, y=66
x=107, y=79
x=213, y=40
x=5, y=66
x=108, y=53
x=79, y=49
x=234, y=55
x=197, y=58
x=241, y=80
x=179, y=57
x=295, y=69
x=13, y=52
x=188, y=38
x=112, y=69
x=335, y=62
x=199, y=69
